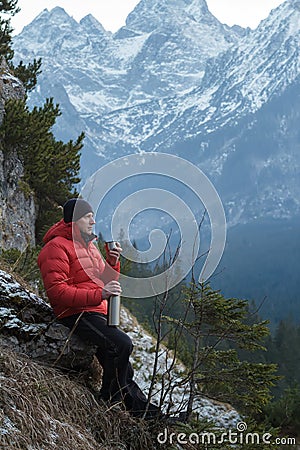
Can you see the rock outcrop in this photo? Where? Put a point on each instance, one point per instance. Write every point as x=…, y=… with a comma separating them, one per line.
x=17, y=207
x=10, y=87
x=27, y=326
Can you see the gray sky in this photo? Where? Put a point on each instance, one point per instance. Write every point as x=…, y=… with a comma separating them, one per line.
x=112, y=13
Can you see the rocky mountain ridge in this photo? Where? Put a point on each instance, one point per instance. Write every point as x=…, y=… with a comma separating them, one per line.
x=176, y=80
x=118, y=70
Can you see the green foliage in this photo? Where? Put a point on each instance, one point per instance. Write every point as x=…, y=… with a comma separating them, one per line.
x=246, y=385
x=26, y=73
x=181, y=346
x=283, y=348
x=285, y=412
x=9, y=8
x=51, y=167
x=224, y=317
x=25, y=188
x=216, y=328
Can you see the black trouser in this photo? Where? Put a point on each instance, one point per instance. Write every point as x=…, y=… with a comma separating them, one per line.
x=113, y=352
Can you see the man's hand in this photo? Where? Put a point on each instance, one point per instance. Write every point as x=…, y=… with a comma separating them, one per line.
x=113, y=256
x=111, y=288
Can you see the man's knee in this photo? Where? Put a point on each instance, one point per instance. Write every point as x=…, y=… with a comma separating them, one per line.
x=125, y=344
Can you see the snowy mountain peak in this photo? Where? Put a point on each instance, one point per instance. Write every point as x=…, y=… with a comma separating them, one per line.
x=263, y=65
x=92, y=25
x=58, y=11
x=150, y=15
x=198, y=10
x=50, y=34
x=59, y=17
x=48, y=28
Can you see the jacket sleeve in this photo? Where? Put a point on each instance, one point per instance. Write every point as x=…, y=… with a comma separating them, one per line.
x=54, y=265
x=110, y=272
x=113, y=271
x=107, y=272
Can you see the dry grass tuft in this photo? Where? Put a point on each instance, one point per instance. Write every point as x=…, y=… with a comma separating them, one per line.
x=43, y=409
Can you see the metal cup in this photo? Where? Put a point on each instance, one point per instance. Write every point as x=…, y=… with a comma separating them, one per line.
x=114, y=305
x=110, y=245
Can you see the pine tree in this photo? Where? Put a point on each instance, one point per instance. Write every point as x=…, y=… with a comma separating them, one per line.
x=7, y=8
x=26, y=73
x=216, y=328
x=284, y=412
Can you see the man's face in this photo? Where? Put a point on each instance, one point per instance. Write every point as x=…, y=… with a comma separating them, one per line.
x=86, y=223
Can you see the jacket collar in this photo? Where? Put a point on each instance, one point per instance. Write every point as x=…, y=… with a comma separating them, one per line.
x=69, y=231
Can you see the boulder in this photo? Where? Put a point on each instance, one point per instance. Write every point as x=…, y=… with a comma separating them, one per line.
x=28, y=326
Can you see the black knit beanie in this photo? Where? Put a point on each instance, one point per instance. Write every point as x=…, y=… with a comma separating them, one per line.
x=75, y=208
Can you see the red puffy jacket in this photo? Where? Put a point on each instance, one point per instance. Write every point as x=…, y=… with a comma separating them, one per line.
x=73, y=272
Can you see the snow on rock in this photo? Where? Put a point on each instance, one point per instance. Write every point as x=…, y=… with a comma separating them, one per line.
x=10, y=86
x=28, y=326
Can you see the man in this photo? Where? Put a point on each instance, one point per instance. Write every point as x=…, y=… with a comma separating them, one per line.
x=78, y=283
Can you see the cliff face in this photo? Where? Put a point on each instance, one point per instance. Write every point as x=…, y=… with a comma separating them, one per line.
x=17, y=208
